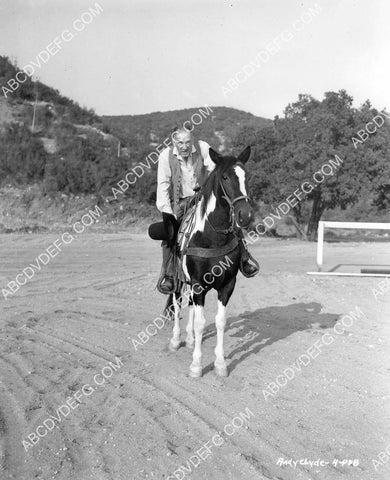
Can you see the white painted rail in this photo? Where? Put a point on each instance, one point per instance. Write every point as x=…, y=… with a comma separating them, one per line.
x=343, y=225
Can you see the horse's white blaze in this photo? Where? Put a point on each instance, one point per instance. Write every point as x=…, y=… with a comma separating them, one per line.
x=241, y=179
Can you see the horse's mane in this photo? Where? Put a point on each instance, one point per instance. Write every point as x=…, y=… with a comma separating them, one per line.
x=211, y=183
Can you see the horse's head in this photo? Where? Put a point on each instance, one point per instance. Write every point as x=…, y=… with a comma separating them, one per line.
x=232, y=179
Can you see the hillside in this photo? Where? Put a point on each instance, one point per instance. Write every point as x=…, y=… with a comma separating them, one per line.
x=56, y=157
x=218, y=128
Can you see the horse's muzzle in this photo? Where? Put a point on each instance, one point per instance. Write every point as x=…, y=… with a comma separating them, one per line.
x=244, y=217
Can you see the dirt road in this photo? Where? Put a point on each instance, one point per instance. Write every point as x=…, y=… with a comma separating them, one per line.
x=142, y=417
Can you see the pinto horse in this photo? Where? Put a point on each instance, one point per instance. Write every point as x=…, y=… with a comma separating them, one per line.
x=210, y=253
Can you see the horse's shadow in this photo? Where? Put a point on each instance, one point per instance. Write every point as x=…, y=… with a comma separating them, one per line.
x=264, y=326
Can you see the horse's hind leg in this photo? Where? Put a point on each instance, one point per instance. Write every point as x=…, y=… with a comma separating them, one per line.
x=174, y=344
x=220, y=321
x=199, y=323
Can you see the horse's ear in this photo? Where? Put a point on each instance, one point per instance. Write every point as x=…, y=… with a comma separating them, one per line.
x=244, y=155
x=215, y=157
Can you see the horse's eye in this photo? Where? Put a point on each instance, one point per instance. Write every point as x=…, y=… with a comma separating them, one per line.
x=225, y=177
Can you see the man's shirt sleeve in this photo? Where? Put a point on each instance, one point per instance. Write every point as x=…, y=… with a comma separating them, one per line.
x=163, y=201
x=208, y=163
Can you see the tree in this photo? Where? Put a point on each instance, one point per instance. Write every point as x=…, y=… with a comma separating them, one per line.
x=313, y=134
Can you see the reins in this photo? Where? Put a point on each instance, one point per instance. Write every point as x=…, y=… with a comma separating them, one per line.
x=232, y=219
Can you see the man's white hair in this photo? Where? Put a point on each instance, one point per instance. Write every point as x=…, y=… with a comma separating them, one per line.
x=179, y=130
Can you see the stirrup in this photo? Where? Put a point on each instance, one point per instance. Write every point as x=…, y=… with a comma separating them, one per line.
x=253, y=263
x=162, y=282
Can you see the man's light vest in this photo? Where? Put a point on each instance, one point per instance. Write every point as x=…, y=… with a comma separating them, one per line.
x=176, y=175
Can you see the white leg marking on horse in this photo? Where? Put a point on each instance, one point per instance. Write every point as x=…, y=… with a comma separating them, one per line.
x=241, y=178
x=190, y=328
x=199, y=323
x=220, y=322
x=175, y=340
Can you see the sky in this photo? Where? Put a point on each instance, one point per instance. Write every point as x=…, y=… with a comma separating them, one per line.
x=141, y=56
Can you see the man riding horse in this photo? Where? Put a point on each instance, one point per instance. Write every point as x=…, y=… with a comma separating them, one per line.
x=182, y=169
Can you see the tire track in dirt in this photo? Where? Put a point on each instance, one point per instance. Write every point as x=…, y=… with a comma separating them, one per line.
x=23, y=397
x=192, y=422
x=38, y=390
x=248, y=441
x=87, y=352
x=11, y=432
x=152, y=402
x=160, y=385
x=209, y=411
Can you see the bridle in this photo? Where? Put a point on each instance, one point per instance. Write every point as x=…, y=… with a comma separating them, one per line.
x=232, y=215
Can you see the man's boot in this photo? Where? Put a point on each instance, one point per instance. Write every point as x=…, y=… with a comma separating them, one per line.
x=249, y=267
x=166, y=284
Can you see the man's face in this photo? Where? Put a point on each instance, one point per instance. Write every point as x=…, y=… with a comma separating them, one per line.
x=183, y=143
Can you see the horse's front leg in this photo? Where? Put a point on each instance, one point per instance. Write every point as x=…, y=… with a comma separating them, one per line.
x=190, y=328
x=199, y=324
x=220, y=321
x=174, y=344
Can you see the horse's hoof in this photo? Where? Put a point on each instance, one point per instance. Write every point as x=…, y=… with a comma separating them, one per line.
x=173, y=346
x=195, y=372
x=190, y=346
x=221, y=371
